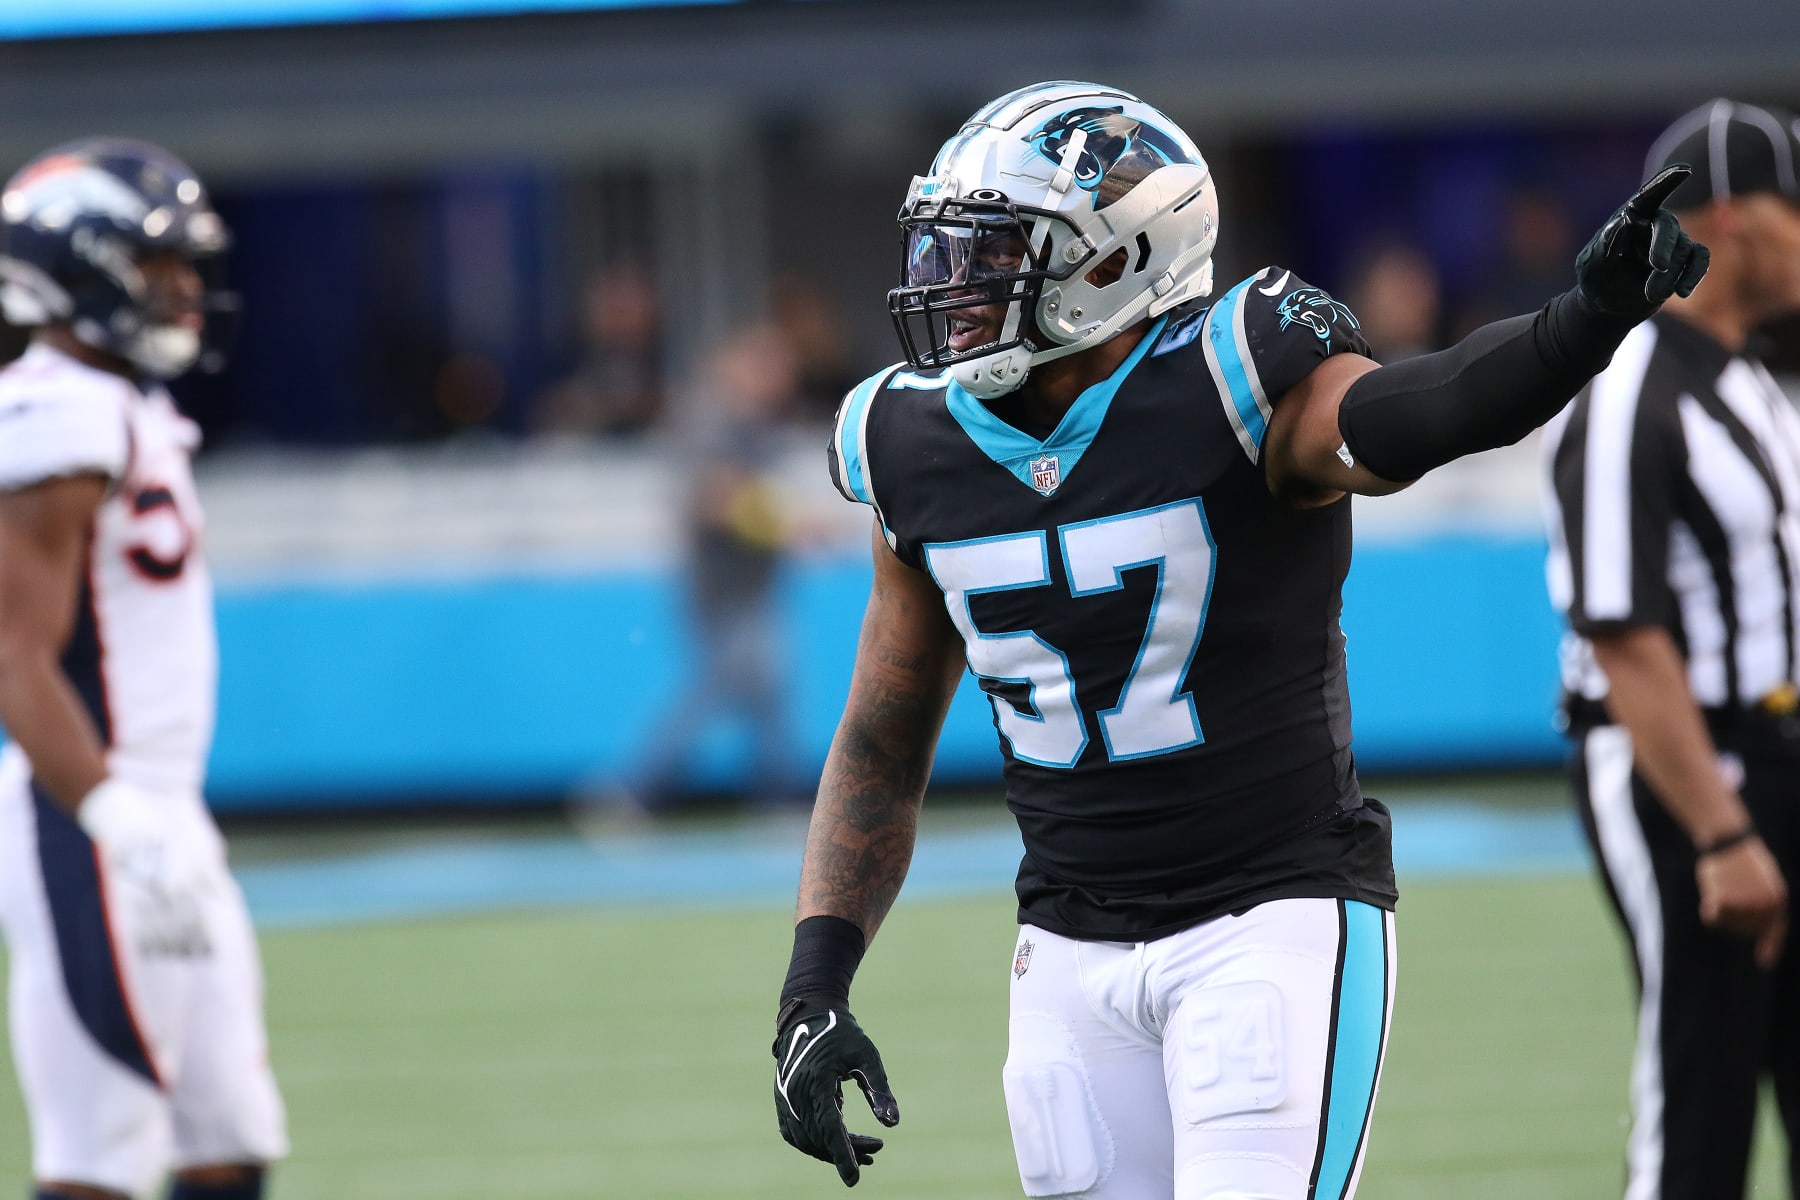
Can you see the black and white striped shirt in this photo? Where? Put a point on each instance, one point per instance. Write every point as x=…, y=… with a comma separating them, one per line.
x=1674, y=500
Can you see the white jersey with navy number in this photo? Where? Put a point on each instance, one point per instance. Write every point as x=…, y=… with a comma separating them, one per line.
x=1158, y=636
x=136, y=1052
x=142, y=655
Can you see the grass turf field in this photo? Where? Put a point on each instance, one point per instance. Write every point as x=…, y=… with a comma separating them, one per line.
x=616, y=1053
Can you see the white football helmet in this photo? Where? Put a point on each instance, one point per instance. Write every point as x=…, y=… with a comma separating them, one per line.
x=1032, y=194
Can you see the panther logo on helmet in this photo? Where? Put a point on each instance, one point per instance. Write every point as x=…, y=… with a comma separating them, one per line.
x=1119, y=153
x=1001, y=239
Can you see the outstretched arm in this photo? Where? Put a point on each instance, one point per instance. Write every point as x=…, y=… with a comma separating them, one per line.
x=858, y=848
x=1351, y=426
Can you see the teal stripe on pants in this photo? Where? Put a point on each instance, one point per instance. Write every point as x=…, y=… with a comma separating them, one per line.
x=1360, y=1022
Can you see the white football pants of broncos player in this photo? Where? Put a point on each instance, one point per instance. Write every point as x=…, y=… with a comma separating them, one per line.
x=136, y=1054
x=1236, y=1060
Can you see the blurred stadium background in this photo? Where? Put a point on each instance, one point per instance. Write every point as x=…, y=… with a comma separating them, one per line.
x=503, y=265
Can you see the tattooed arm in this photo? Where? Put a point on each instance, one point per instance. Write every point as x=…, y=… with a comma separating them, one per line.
x=864, y=824
x=865, y=820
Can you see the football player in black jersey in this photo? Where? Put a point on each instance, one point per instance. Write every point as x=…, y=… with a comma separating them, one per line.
x=1127, y=514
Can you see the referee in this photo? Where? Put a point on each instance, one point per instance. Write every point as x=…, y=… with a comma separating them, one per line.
x=1674, y=514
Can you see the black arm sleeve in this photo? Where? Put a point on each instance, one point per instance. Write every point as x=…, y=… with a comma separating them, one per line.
x=1490, y=389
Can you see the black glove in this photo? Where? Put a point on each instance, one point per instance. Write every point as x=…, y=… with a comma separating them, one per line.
x=816, y=1049
x=1641, y=257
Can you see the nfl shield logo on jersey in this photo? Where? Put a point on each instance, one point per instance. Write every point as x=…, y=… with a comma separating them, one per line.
x=1046, y=473
x=1021, y=959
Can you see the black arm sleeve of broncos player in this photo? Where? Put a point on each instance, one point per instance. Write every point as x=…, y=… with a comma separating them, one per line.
x=1490, y=389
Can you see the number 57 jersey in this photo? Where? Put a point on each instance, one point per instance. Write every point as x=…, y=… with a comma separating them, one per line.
x=1157, y=635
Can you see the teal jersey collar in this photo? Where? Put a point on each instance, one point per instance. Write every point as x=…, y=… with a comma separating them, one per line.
x=1044, y=465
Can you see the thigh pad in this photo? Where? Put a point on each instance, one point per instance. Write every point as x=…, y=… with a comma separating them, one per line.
x=1226, y=1045
x=1062, y=1143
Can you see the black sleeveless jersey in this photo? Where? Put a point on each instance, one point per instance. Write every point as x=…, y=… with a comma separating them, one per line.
x=1157, y=635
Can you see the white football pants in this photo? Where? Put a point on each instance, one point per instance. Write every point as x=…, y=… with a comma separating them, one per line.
x=133, y=1060
x=1236, y=1060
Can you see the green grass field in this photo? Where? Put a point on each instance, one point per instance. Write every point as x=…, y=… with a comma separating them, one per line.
x=625, y=1054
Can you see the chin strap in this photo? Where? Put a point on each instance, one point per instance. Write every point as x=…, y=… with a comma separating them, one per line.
x=994, y=375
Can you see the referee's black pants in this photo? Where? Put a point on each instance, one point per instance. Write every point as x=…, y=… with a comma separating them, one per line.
x=1711, y=1023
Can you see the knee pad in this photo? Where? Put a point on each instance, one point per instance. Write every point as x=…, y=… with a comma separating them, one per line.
x=1061, y=1142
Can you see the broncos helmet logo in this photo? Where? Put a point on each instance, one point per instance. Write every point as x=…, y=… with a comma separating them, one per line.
x=1313, y=308
x=1120, y=153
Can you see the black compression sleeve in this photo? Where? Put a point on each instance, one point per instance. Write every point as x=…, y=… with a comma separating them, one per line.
x=1490, y=389
x=827, y=951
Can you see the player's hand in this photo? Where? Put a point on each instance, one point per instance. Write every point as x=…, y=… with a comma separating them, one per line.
x=148, y=843
x=1641, y=257
x=1742, y=892
x=816, y=1050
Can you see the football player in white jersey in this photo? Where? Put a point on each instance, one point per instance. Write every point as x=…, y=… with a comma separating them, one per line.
x=136, y=991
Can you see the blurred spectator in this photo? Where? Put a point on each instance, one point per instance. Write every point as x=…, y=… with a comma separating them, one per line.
x=821, y=345
x=617, y=388
x=737, y=535
x=470, y=390
x=1540, y=249
x=1398, y=299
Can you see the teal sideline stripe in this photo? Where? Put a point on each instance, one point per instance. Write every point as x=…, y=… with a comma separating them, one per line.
x=1222, y=334
x=532, y=714
x=57, y=18
x=849, y=443
x=1356, y=1054
x=1014, y=449
x=752, y=865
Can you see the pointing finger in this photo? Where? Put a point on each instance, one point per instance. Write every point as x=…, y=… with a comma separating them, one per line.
x=1650, y=197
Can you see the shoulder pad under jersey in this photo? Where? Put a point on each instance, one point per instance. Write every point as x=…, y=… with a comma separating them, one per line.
x=59, y=418
x=1263, y=336
x=848, y=450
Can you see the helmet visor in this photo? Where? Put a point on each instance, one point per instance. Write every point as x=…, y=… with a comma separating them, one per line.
x=967, y=252
x=957, y=257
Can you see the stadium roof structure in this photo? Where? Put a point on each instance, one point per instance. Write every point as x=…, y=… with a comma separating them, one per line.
x=546, y=84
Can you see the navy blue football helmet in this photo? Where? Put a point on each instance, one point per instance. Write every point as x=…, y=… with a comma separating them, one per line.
x=76, y=222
